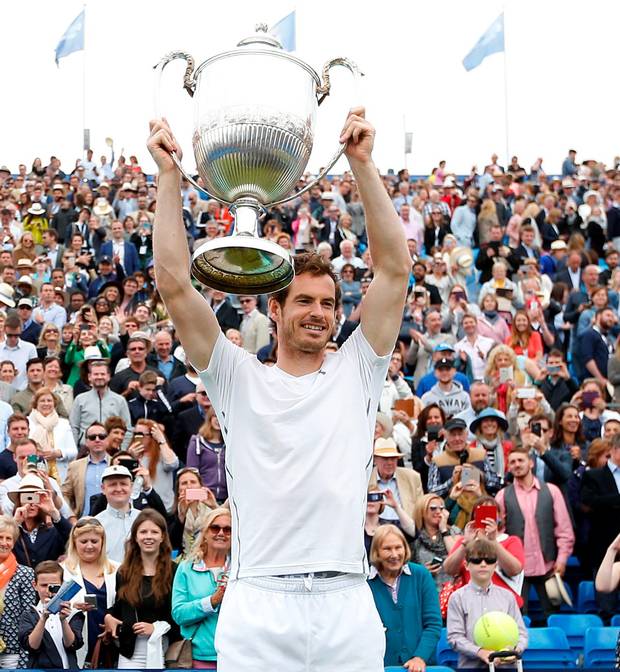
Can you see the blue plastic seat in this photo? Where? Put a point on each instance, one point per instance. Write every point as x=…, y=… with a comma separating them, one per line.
x=547, y=649
x=445, y=654
x=615, y=621
x=430, y=668
x=534, y=610
x=586, y=598
x=527, y=620
x=574, y=627
x=600, y=647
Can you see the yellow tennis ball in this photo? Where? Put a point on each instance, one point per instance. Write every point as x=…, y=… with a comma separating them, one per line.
x=496, y=631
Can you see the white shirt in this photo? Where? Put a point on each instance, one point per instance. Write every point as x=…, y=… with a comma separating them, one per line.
x=298, y=457
x=118, y=250
x=477, y=353
x=12, y=484
x=19, y=355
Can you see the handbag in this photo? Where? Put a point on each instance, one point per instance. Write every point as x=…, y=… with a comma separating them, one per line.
x=179, y=654
x=105, y=655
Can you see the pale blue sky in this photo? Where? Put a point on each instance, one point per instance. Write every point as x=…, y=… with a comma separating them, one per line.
x=561, y=64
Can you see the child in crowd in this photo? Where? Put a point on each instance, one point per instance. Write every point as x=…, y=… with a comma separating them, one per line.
x=50, y=639
x=479, y=596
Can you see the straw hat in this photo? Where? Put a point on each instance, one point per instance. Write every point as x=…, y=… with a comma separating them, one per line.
x=29, y=483
x=386, y=448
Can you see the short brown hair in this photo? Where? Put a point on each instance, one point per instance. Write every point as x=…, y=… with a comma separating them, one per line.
x=313, y=264
x=480, y=547
x=148, y=378
x=47, y=567
x=115, y=422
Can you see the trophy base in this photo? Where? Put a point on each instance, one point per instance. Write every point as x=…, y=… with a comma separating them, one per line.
x=243, y=264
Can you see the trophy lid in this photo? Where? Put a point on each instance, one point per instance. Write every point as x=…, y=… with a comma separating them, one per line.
x=260, y=37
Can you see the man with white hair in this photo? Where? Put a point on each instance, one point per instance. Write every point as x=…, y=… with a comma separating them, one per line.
x=347, y=256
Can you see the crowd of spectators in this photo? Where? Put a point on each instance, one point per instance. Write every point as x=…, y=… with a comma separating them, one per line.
x=497, y=441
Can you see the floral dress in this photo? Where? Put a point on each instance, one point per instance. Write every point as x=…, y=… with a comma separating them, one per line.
x=19, y=595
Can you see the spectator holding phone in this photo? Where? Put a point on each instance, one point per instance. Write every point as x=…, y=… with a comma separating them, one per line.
x=508, y=549
x=591, y=398
x=192, y=502
x=503, y=375
x=43, y=531
x=555, y=381
x=406, y=599
x=87, y=564
x=207, y=453
x=51, y=639
x=427, y=440
x=434, y=536
x=150, y=447
x=527, y=402
x=568, y=432
x=199, y=587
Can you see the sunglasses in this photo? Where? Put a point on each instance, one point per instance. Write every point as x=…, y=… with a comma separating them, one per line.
x=216, y=529
x=139, y=435
x=87, y=520
x=94, y=437
x=436, y=507
x=479, y=561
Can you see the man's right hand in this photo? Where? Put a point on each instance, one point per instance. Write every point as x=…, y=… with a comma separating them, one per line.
x=160, y=143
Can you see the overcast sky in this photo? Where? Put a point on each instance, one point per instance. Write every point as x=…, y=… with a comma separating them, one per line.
x=560, y=66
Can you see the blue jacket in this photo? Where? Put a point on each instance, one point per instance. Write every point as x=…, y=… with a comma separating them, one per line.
x=131, y=262
x=189, y=589
x=413, y=624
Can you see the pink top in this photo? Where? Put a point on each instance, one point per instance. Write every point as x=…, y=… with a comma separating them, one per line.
x=535, y=564
x=499, y=331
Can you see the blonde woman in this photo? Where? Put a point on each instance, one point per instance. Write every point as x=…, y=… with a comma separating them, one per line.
x=199, y=587
x=487, y=217
x=88, y=565
x=502, y=375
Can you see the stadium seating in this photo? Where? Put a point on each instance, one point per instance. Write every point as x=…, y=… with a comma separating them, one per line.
x=547, y=649
x=586, y=598
x=615, y=621
x=574, y=626
x=445, y=653
x=600, y=647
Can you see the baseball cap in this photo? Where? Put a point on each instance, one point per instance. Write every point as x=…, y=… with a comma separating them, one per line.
x=444, y=347
x=445, y=363
x=455, y=423
x=116, y=470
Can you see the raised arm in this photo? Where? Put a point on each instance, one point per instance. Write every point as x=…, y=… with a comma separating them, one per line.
x=193, y=318
x=382, y=307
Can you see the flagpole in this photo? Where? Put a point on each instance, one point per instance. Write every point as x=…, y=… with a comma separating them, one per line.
x=506, y=94
x=84, y=86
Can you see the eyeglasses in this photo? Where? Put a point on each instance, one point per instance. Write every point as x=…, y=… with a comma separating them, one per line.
x=216, y=529
x=479, y=561
x=17, y=335
x=245, y=300
x=134, y=349
x=436, y=507
x=94, y=437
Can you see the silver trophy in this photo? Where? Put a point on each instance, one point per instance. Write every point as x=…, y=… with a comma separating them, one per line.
x=254, y=117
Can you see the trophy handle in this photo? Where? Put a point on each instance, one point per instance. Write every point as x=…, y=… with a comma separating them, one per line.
x=189, y=84
x=322, y=92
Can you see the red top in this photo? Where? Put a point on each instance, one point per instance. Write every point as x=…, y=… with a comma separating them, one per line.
x=514, y=546
x=534, y=347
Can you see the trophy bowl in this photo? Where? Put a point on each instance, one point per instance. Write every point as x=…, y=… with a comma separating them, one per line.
x=254, y=117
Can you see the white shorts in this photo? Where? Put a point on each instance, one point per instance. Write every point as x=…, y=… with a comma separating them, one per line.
x=299, y=625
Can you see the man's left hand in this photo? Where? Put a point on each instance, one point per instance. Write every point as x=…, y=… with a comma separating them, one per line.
x=559, y=568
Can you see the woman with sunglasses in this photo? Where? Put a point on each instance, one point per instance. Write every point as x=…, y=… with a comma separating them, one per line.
x=140, y=618
x=49, y=342
x=192, y=501
x=199, y=587
x=435, y=537
x=87, y=564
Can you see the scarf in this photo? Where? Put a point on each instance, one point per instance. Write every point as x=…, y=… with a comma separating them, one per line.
x=43, y=434
x=7, y=570
x=193, y=526
x=491, y=315
x=496, y=447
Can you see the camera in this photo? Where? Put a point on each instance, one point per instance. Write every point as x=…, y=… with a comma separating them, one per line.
x=537, y=428
x=375, y=497
x=53, y=588
x=432, y=432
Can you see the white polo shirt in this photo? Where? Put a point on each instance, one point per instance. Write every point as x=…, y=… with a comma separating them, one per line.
x=298, y=457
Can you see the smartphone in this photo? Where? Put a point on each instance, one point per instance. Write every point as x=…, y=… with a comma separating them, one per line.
x=432, y=432
x=32, y=463
x=526, y=393
x=195, y=495
x=436, y=560
x=554, y=370
x=588, y=398
x=53, y=588
x=470, y=475
x=374, y=497
x=84, y=326
x=29, y=498
x=506, y=373
x=459, y=296
x=537, y=428
x=91, y=600
x=130, y=463
x=483, y=512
